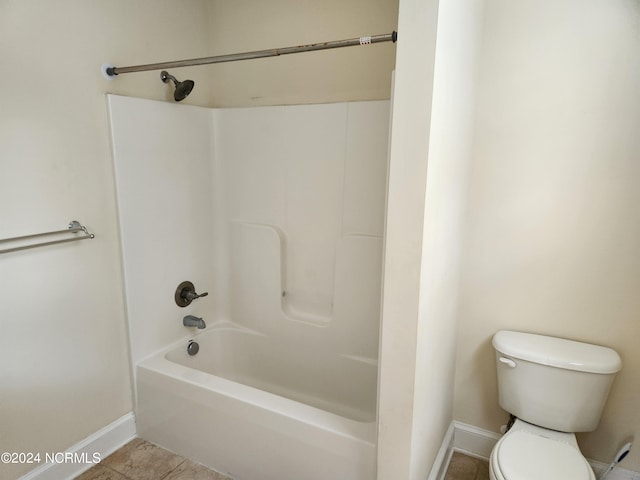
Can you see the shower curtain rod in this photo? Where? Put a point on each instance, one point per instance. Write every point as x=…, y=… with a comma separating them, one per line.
x=111, y=71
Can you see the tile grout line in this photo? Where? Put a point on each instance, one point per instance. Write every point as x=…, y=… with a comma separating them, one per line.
x=127, y=477
x=175, y=468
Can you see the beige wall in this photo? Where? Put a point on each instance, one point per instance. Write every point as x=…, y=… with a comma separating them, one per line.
x=410, y=124
x=347, y=74
x=553, y=243
x=431, y=146
x=448, y=171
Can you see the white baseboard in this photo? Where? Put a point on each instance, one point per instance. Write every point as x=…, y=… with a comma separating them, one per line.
x=103, y=443
x=473, y=441
x=439, y=469
x=477, y=442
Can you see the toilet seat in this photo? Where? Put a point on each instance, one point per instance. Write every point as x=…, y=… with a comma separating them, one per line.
x=523, y=455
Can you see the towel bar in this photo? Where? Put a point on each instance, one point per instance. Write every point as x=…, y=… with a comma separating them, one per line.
x=73, y=227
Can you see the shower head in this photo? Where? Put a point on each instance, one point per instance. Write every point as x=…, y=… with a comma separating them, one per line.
x=183, y=89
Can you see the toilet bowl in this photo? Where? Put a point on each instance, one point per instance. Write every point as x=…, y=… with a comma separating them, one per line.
x=529, y=452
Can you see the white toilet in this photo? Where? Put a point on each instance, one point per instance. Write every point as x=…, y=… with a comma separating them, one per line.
x=554, y=388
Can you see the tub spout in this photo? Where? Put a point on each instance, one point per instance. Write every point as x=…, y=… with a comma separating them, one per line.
x=191, y=321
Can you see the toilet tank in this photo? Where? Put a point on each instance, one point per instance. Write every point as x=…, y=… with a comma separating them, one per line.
x=553, y=382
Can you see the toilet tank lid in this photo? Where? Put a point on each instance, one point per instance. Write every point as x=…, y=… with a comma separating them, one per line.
x=557, y=352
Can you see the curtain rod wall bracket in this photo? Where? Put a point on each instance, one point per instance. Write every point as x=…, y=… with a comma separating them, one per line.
x=111, y=71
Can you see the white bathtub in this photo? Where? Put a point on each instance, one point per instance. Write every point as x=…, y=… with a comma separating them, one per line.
x=253, y=408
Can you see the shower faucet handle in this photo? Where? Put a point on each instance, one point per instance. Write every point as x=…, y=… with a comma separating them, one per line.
x=193, y=295
x=186, y=293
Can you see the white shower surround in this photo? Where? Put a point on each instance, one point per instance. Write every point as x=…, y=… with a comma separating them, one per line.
x=278, y=212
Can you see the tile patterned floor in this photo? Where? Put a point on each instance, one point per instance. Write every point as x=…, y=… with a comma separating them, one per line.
x=141, y=460
x=463, y=467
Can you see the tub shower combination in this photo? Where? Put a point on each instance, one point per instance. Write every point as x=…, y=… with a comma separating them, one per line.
x=274, y=214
